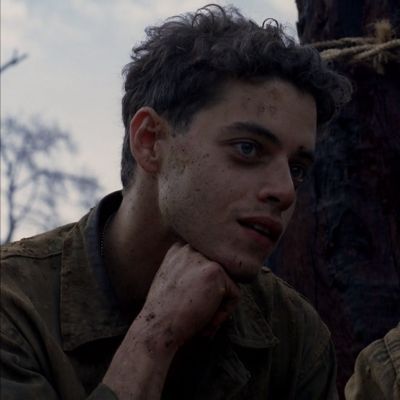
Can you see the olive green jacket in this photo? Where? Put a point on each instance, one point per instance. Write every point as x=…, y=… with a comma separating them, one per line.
x=61, y=325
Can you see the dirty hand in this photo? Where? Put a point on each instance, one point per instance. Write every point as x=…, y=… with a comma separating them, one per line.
x=188, y=294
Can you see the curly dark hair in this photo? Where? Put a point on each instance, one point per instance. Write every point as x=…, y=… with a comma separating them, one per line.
x=181, y=66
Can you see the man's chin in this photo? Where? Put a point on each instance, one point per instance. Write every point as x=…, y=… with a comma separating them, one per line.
x=240, y=268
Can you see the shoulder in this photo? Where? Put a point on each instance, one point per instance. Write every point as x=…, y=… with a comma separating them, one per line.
x=39, y=246
x=387, y=348
x=377, y=369
x=30, y=273
x=36, y=251
x=32, y=264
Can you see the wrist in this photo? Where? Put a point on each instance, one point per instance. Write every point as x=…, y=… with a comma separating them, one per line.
x=156, y=337
x=141, y=363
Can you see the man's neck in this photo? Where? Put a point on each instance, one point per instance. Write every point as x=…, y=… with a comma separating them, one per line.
x=134, y=247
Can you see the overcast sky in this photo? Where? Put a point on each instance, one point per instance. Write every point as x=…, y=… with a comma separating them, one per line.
x=77, y=49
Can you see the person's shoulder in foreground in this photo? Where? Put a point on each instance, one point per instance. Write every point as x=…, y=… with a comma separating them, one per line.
x=377, y=370
x=163, y=296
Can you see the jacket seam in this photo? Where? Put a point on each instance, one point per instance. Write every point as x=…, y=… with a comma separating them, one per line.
x=30, y=256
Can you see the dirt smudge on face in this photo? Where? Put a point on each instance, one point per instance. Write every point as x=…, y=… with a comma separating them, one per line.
x=179, y=159
x=244, y=104
x=150, y=316
x=273, y=95
x=268, y=105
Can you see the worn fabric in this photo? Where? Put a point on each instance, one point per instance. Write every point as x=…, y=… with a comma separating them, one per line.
x=377, y=370
x=61, y=325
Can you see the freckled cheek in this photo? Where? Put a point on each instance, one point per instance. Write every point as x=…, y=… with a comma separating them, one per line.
x=214, y=191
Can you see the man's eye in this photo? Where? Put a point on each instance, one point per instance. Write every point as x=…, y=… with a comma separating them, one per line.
x=246, y=149
x=299, y=173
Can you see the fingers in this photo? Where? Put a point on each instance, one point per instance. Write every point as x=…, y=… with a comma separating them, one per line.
x=226, y=309
x=195, y=292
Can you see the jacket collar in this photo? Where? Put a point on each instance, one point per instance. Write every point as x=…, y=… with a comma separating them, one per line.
x=89, y=310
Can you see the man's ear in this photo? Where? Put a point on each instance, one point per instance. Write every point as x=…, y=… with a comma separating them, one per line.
x=146, y=129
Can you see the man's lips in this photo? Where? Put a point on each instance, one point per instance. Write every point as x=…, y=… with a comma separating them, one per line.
x=265, y=226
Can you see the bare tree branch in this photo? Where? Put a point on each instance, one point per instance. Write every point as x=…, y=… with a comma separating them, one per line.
x=10, y=201
x=36, y=186
x=14, y=60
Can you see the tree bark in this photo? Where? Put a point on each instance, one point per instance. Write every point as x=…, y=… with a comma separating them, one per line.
x=342, y=249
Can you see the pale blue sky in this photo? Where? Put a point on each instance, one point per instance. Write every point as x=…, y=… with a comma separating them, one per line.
x=77, y=49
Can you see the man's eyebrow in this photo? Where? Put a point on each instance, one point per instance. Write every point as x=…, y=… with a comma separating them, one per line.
x=251, y=127
x=306, y=154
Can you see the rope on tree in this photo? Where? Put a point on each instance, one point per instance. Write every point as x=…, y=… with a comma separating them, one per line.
x=378, y=49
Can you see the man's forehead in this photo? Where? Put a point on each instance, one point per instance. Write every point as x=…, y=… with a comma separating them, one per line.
x=264, y=93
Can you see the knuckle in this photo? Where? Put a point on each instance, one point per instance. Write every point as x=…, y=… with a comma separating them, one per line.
x=214, y=268
x=214, y=273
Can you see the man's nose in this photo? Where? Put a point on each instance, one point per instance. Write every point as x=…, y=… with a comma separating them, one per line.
x=278, y=187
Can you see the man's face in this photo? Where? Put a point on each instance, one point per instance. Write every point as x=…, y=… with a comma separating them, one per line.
x=228, y=184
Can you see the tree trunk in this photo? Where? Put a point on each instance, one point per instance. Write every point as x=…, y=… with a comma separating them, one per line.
x=342, y=249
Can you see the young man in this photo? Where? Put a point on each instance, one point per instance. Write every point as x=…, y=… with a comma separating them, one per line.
x=159, y=291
